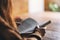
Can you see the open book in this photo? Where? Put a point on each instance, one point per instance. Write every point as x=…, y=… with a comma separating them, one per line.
x=29, y=24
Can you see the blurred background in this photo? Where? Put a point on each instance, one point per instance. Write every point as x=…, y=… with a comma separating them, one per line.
x=23, y=8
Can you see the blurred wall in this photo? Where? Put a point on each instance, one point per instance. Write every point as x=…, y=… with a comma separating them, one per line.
x=20, y=7
x=36, y=6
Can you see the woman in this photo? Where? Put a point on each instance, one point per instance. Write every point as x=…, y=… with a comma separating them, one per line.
x=8, y=28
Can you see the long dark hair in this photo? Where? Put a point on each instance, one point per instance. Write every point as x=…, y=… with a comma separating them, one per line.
x=6, y=11
x=8, y=28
